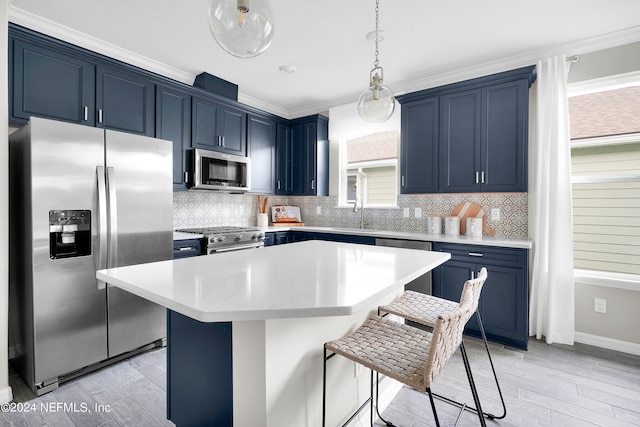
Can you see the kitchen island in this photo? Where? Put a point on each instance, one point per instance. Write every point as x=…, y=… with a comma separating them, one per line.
x=246, y=328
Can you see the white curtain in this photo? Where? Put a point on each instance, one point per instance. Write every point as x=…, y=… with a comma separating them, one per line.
x=551, y=310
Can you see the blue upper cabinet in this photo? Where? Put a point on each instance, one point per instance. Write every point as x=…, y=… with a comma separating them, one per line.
x=503, y=143
x=50, y=84
x=311, y=156
x=261, y=135
x=173, y=122
x=218, y=127
x=284, y=160
x=477, y=131
x=419, y=157
x=124, y=102
x=460, y=142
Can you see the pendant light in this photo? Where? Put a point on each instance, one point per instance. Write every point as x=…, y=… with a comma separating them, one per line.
x=376, y=103
x=241, y=30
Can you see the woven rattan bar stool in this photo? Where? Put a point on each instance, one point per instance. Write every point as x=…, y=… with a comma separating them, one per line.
x=408, y=354
x=425, y=309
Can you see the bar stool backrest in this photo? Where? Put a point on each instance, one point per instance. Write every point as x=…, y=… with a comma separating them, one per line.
x=447, y=332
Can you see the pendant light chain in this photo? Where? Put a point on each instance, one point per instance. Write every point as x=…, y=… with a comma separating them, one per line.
x=376, y=62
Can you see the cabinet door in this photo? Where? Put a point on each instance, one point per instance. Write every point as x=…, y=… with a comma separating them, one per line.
x=262, y=150
x=284, y=157
x=448, y=281
x=419, y=147
x=460, y=142
x=505, y=308
x=234, y=130
x=309, y=159
x=124, y=102
x=52, y=85
x=173, y=122
x=205, y=124
x=503, y=147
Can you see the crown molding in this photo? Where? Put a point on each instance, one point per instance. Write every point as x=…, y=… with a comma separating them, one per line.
x=50, y=28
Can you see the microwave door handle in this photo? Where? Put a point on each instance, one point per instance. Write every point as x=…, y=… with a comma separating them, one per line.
x=113, y=217
x=102, y=222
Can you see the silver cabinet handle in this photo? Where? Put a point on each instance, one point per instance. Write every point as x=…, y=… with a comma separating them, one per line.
x=475, y=254
x=482, y=177
x=313, y=184
x=278, y=183
x=477, y=177
x=473, y=275
x=186, y=177
x=86, y=113
x=99, y=115
x=402, y=180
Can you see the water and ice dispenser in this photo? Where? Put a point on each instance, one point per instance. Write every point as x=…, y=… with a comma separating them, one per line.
x=69, y=233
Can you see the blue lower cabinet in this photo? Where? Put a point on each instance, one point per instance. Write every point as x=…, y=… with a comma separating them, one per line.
x=187, y=248
x=277, y=238
x=199, y=372
x=300, y=236
x=504, y=302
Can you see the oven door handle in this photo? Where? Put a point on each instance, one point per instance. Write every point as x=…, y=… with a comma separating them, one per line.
x=235, y=248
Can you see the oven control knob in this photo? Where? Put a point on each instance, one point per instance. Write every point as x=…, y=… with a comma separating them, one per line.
x=221, y=239
x=240, y=236
x=213, y=239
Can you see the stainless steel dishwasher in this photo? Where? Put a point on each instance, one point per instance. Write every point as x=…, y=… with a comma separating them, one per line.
x=422, y=283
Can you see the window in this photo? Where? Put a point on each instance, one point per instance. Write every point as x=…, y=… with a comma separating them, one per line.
x=605, y=155
x=369, y=169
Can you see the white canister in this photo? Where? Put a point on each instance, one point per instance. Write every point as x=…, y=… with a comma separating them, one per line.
x=452, y=225
x=474, y=227
x=263, y=220
x=434, y=225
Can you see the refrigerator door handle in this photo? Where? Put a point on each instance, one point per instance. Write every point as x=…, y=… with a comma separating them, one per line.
x=102, y=222
x=113, y=216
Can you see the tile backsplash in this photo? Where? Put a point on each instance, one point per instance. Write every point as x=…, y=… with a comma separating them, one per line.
x=210, y=209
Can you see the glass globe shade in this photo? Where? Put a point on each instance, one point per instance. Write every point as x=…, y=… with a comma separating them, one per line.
x=244, y=35
x=376, y=104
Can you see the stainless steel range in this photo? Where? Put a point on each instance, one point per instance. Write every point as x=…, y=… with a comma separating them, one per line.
x=222, y=239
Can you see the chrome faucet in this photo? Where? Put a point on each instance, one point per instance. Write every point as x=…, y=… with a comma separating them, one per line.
x=355, y=209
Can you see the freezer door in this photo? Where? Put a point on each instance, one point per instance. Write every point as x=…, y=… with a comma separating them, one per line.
x=69, y=313
x=139, y=185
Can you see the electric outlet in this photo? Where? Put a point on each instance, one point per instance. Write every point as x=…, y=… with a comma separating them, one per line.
x=418, y=212
x=405, y=212
x=318, y=210
x=495, y=214
x=600, y=305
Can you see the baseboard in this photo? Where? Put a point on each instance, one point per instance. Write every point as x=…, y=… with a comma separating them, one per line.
x=608, y=343
x=6, y=394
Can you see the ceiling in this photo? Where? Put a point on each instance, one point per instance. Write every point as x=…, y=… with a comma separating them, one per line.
x=427, y=43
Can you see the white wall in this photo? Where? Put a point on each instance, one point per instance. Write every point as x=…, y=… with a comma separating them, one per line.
x=5, y=390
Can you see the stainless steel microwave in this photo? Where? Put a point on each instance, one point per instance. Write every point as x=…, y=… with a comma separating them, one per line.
x=212, y=170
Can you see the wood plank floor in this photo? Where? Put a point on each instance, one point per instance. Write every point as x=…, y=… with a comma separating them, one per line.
x=549, y=385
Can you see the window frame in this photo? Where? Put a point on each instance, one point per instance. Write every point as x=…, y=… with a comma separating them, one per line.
x=601, y=277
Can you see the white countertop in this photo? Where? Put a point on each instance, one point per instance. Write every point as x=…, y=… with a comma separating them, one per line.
x=305, y=279
x=503, y=242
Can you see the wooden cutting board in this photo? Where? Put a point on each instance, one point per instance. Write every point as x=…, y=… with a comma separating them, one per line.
x=471, y=210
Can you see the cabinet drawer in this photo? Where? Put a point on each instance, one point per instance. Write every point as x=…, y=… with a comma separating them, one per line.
x=187, y=248
x=489, y=255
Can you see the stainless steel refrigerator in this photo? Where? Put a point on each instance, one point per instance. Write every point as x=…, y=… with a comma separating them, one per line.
x=82, y=199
